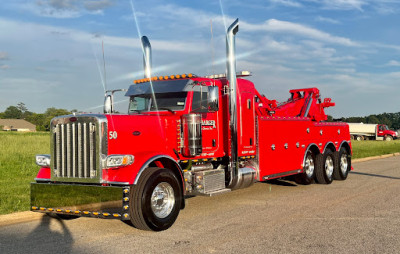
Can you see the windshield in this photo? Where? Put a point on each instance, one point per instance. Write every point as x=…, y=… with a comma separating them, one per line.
x=164, y=101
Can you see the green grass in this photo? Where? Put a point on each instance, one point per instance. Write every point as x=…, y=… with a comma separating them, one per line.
x=18, y=168
x=362, y=149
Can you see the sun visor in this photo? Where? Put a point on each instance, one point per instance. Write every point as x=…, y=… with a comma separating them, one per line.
x=165, y=86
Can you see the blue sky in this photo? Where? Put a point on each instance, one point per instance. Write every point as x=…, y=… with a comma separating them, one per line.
x=51, y=50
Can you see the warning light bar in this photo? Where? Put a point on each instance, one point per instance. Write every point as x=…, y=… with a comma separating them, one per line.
x=178, y=76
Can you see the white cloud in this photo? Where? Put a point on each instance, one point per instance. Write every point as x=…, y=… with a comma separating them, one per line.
x=288, y=3
x=4, y=66
x=327, y=20
x=3, y=55
x=344, y=4
x=279, y=26
x=393, y=63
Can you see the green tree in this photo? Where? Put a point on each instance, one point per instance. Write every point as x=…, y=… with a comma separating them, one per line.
x=12, y=112
x=372, y=119
x=51, y=113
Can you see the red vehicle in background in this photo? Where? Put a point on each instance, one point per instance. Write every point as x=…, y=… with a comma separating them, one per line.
x=185, y=135
x=369, y=131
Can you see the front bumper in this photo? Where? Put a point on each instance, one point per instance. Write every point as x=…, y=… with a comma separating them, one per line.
x=81, y=200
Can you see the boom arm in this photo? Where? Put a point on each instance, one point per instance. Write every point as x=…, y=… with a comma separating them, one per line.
x=304, y=102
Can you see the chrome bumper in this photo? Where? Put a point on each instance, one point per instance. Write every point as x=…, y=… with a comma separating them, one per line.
x=81, y=200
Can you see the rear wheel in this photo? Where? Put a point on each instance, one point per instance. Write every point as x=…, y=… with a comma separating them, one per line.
x=325, y=167
x=307, y=176
x=156, y=200
x=343, y=164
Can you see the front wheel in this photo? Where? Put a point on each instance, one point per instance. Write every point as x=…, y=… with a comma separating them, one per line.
x=155, y=201
x=388, y=138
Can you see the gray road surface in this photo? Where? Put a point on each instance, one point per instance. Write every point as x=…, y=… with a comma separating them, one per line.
x=359, y=215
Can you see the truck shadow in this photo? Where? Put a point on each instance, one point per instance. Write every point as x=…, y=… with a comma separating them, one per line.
x=281, y=182
x=45, y=237
x=375, y=175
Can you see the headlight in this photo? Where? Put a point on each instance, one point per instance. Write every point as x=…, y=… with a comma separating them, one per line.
x=43, y=160
x=113, y=161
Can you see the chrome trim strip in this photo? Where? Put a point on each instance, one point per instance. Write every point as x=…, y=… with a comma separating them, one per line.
x=117, y=183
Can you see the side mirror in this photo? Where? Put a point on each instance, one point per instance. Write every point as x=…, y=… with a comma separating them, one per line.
x=213, y=98
x=108, y=104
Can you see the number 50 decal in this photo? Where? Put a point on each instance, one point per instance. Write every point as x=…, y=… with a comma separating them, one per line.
x=112, y=135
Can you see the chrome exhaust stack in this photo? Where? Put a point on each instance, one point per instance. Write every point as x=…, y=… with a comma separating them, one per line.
x=146, y=56
x=244, y=176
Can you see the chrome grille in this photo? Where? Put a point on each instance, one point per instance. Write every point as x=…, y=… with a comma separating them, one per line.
x=75, y=149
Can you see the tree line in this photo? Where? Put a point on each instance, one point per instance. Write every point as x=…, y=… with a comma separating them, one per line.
x=41, y=120
x=392, y=120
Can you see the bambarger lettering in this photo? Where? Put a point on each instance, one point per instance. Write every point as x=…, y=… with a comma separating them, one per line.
x=208, y=123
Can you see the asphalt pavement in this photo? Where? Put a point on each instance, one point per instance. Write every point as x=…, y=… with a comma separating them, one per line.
x=359, y=215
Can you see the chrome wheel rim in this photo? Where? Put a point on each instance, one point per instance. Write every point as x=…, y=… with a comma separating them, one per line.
x=162, y=200
x=309, y=166
x=343, y=163
x=329, y=166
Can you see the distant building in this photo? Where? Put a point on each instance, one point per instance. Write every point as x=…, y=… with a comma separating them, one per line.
x=16, y=125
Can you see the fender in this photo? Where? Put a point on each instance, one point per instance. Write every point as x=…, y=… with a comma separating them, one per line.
x=327, y=144
x=155, y=158
x=169, y=159
x=305, y=154
x=345, y=142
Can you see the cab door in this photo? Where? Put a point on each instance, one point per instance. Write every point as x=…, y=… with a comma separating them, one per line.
x=211, y=134
x=246, y=120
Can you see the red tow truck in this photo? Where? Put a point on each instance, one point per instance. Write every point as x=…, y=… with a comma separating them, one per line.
x=185, y=135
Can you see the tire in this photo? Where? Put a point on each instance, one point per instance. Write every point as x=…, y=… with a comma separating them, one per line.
x=359, y=138
x=343, y=164
x=307, y=176
x=388, y=138
x=325, y=165
x=155, y=201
